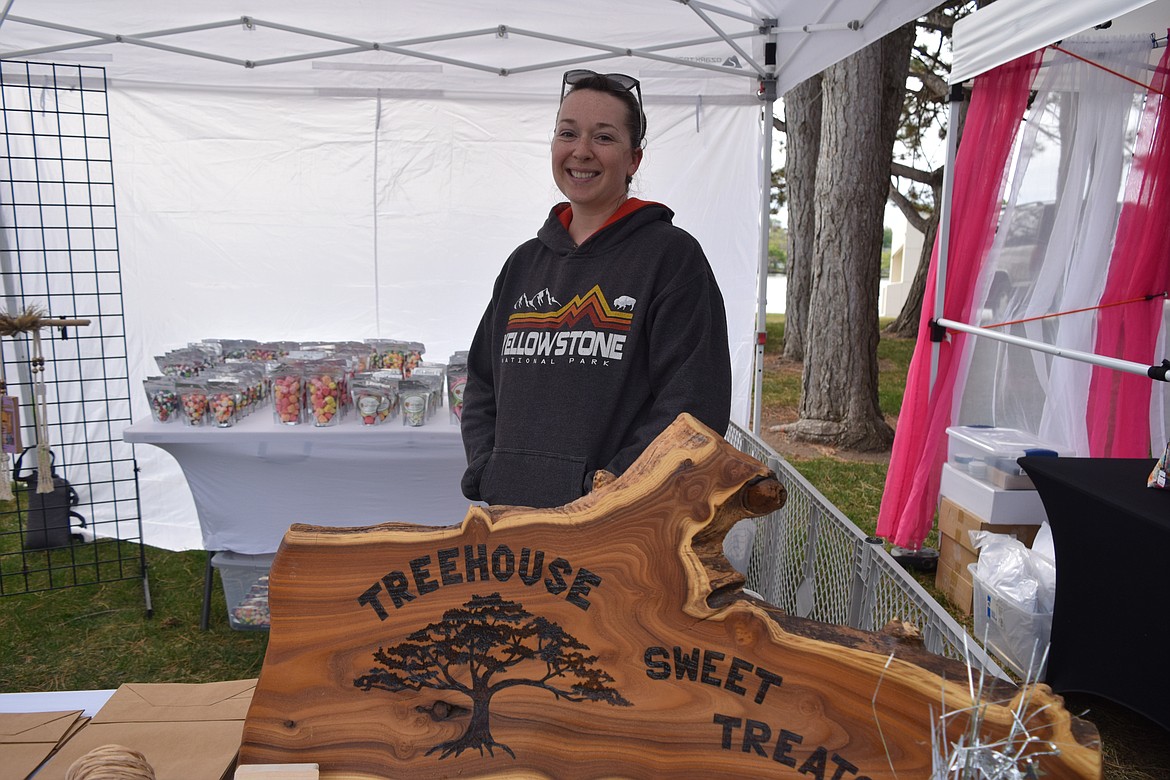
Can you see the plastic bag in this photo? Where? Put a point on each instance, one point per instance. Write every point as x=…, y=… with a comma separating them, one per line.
x=1003, y=565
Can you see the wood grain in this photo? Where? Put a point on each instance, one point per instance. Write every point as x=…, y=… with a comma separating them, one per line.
x=605, y=638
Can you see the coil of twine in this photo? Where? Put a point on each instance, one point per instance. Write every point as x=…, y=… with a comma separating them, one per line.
x=111, y=762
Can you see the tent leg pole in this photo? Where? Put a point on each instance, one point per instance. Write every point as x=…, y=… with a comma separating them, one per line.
x=762, y=272
x=944, y=226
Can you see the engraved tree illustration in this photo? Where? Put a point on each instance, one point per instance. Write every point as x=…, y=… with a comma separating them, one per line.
x=486, y=646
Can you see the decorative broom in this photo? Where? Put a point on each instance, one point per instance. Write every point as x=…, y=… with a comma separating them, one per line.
x=31, y=320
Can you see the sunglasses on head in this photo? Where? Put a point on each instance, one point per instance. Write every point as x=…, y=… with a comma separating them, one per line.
x=618, y=81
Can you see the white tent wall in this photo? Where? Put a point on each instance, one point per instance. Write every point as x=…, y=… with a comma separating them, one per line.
x=377, y=193
x=334, y=218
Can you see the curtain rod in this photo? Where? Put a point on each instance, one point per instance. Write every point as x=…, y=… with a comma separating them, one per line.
x=1158, y=372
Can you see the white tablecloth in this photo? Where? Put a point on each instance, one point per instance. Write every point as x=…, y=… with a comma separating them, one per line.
x=251, y=481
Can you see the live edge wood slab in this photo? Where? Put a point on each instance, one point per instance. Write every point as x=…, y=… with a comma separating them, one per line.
x=605, y=638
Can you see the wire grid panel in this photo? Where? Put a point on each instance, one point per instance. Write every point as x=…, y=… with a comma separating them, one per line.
x=59, y=253
x=854, y=580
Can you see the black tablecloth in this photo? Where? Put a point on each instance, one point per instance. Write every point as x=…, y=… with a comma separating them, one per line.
x=1111, y=619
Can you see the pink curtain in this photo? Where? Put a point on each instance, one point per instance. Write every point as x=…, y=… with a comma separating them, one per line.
x=1118, y=412
x=998, y=101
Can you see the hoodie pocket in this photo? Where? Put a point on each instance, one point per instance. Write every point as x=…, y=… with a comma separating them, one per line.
x=531, y=478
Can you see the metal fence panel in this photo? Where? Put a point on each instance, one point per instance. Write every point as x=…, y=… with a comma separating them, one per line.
x=810, y=560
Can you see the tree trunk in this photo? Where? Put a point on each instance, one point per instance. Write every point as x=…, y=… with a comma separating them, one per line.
x=802, y=117
x=862, y=100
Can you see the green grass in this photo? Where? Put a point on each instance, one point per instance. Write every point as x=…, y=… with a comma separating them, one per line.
x=893, y=365
x=98, y=636
x=854, y=488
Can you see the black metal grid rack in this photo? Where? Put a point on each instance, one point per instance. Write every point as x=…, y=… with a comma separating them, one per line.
x=59, y=252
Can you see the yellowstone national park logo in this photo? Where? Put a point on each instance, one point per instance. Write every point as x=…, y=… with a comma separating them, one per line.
x=587, y=330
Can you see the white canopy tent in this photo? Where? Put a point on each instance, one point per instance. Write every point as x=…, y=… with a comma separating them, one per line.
x=1000, y=33
x=300, y=170
x=979, y=234
x=1003, y=31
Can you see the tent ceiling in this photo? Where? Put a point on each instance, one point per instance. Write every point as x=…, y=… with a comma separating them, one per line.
x=714, y=47
x=1002, y=32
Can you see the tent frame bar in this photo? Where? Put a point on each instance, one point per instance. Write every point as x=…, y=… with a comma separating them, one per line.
x=399, y=47
x=697, y=8
x=697, y=5
x=1153, y=372
x=766, y=115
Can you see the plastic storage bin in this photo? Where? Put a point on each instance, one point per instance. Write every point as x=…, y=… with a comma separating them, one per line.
x=990, y=454
x=989, y=503
x=245, y=588
x=1009, y=631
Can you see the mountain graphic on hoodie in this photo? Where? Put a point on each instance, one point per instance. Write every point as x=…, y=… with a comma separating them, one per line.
x=542, y=299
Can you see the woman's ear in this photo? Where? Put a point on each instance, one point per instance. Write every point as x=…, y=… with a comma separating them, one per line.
x=635, y=161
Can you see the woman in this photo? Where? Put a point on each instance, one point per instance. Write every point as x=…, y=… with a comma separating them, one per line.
x=600, y=330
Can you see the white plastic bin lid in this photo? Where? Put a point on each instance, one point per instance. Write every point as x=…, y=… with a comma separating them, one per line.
x=226, y=558
x=1001, y=442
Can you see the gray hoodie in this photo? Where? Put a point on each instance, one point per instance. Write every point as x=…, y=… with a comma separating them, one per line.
x=586, y=353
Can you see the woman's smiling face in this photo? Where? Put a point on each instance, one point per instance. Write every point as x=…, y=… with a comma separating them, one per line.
x=592, y=153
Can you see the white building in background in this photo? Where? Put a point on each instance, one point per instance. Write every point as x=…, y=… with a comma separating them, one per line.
x=905, y=251
x=777, y=293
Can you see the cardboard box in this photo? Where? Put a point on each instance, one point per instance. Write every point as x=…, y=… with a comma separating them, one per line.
x=956, y=522
x=956, y=551
x=953, y=553
x=1009, y=480
x=982, y=499
x=957, y=585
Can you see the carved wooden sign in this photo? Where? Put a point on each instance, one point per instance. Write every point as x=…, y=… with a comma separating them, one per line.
x=605, y=638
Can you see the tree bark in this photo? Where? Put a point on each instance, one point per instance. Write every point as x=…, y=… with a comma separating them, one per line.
x=906, y=323
x=862, y=103
x=802, y=116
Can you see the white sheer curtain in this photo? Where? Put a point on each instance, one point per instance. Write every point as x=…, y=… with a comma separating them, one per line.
x=1053, y=242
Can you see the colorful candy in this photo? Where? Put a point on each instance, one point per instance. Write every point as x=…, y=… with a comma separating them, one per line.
x=194, y=407
x=287, y=398
x=162, y=398
x=455, y=385
x=415, y=397
x=324, y=391
x=223, y=408
x=253, y=611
